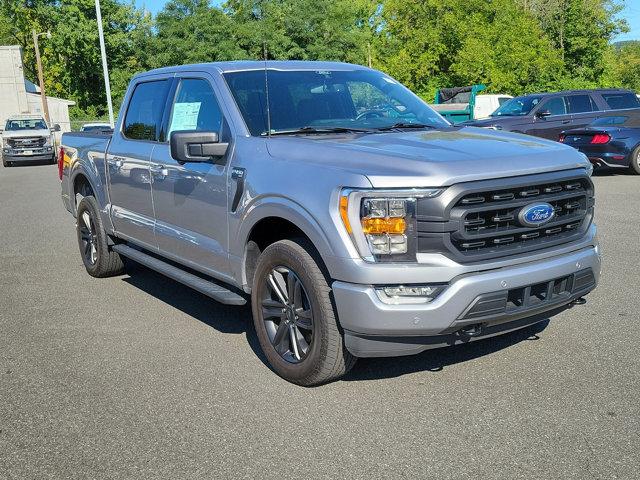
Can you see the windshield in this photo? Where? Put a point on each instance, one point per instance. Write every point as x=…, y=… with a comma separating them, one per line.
x=517, y=106
x=324, y=100
x=26, y=124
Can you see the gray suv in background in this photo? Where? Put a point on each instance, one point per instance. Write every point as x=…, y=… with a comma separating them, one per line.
x=355, y=219
x=547, y=114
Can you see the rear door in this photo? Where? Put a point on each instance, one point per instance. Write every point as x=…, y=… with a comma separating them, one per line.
x=190, y=199
x=583, y=110
x=128, y=158
x=552, y=124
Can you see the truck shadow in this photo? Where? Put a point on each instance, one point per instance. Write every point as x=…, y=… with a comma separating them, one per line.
x=237, y=320
x=438, y=359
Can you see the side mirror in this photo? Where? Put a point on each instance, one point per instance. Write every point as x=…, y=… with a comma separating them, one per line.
x=543, y=113
x=193, y=146
x=55, y=128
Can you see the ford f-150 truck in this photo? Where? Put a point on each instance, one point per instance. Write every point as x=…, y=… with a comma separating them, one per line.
x=356, y=220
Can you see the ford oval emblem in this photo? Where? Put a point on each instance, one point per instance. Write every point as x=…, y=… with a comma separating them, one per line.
x=536, y=214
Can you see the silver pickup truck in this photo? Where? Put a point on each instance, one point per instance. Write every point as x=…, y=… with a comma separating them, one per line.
x=355, y=219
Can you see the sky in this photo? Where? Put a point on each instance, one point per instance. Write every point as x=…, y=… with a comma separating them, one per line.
x=631, y=12
x=632, y=15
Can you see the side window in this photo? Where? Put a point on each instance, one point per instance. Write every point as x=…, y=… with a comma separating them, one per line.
x=555, y=106
x=581, y=104
x=144, y=113
x=195, y=108
x=618, y=101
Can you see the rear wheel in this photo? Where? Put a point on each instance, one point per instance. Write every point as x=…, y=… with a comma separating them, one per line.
x=634, y=164
x=99, y=260
x=294, y=316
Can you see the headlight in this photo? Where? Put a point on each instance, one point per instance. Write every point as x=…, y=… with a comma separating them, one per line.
x=382, y=224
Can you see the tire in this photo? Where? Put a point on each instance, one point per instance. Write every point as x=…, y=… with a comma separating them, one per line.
x=99, y=260
x=634, y=162
x=277, y=323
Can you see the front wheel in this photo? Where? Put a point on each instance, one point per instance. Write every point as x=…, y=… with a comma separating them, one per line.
x=294, y=316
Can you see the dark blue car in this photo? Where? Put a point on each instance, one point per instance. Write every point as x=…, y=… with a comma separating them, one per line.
x=611, y=141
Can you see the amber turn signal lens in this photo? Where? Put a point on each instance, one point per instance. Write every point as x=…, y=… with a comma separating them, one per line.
x=383, y=225
x=344, y=208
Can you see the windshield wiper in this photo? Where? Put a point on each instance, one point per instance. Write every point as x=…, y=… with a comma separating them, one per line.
x=401, y=125
x=317, y=130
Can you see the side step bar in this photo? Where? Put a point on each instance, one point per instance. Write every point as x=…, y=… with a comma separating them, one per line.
x=210, y=289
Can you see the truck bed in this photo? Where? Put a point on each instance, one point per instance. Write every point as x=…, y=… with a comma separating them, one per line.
x=89, y=147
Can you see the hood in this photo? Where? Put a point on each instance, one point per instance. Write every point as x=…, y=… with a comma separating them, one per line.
x=26, y=133
x=431, y=158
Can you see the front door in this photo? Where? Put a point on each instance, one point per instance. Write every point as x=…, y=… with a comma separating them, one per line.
x=557, y=120
x=190, y=199
x=128, y=158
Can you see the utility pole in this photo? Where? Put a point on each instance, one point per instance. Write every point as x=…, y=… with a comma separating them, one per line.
x=105, y=69
x=43, y=95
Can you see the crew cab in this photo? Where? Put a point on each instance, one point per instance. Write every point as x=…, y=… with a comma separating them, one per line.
x=27, y=138
x=356, y=220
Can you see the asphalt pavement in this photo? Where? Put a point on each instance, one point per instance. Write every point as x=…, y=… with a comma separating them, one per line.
x=140, y=377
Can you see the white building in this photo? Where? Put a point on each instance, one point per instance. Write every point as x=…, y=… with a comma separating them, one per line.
x=19, y=96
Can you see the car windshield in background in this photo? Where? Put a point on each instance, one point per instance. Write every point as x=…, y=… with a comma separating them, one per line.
x=30, y=124
x=327, y=101
x=517, y=106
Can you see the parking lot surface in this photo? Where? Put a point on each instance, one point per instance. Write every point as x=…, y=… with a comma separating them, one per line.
x=139, y=377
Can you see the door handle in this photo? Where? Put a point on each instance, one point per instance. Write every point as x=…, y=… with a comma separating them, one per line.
x=566, y=122
x=158, y=170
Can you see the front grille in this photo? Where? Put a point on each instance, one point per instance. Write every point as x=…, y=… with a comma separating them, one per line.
x=26, y=142
x=489, y=220
x=479, y=220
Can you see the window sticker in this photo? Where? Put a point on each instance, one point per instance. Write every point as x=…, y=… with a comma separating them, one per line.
x=185, y=116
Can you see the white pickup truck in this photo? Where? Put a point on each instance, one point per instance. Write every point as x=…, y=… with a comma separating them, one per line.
x=28, y=138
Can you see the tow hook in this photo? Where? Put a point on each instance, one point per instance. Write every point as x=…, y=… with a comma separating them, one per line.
x=579, y=301
x=471, y=330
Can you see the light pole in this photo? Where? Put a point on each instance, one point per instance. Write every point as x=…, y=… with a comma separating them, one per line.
x=105, y=70
x=43, y=95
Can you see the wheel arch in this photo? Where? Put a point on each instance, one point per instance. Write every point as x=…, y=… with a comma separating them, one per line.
x=270, y=222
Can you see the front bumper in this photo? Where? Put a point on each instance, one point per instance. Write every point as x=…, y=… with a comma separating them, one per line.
x=39, y=157
x=374, y=328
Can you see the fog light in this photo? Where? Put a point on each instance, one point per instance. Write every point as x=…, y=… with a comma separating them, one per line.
x=410, y=293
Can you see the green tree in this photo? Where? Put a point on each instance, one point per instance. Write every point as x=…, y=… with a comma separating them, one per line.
x=190, y=31
x=437, y=43
x=71, y=58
